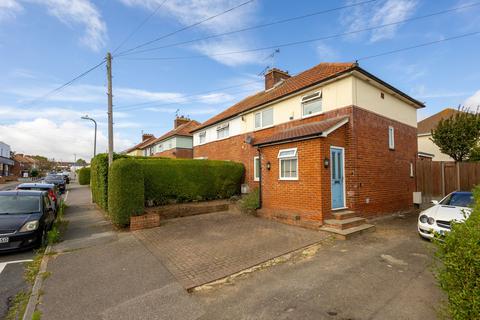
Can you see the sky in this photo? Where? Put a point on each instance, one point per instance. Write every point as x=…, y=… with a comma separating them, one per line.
x=45, y=43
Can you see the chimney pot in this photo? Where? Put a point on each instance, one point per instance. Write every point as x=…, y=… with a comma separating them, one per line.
x=274, y=76
x=179, y=121
x=146, y=136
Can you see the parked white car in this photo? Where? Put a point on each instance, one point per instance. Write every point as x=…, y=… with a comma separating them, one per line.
x=437, y=219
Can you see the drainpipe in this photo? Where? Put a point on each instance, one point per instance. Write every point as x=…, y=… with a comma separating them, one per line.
x=259, y=179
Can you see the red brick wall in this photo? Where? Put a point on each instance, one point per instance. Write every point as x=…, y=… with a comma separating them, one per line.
x=179, y=153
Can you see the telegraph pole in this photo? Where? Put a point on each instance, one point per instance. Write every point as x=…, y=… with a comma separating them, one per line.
x=110, y=107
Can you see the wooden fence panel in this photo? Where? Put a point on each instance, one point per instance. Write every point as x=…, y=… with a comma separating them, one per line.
x=436, y=178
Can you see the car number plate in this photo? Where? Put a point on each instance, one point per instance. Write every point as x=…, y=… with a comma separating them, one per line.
x=4, y=240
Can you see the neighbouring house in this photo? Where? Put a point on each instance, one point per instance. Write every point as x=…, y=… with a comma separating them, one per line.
x=333, y=142
x=177, y=143
x=426, y=147
x=23, y=165
x=6, y=161
x=138, y=149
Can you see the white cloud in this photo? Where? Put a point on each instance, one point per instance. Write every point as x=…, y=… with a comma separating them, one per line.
x=9, y=9
x=69, y=12
x=56, y=140
x=386, y=12
x=326, y=53
x=187, y=12
x=473, y=101
x=421, y=92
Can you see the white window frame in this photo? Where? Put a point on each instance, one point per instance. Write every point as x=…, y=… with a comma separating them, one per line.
x=391, y=138
x=256, y=174
x=204, y=135
x=262, y=126
x=412, y=172
x=309, y=98
x=225, y=126
x=286, y=158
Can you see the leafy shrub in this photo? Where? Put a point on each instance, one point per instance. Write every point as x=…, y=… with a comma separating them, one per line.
x=99, y=178
x=175, y=180
x=34, y=172
x=84, y=176
x=459, y=270
x=251, y=201
x=125, y=191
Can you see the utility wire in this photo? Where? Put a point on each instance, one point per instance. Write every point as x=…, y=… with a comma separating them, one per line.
x=139, y=27
x=185, y=28
x=66, y=84
x=289, y=44
x=252, y=27
x=141, y=106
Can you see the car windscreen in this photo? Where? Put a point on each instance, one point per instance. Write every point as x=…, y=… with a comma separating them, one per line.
x=35, y=188
x=458, y=200
x=19, y=204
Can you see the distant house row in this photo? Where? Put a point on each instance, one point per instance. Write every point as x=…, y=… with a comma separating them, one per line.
x=14, y=165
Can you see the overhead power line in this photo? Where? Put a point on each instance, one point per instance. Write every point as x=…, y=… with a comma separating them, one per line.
x=295, y=43
x=185, y=28
x=252, y=27
x=154, y=12
x=66, y=84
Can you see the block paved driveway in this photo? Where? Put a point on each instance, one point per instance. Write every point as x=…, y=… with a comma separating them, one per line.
x=205, y=248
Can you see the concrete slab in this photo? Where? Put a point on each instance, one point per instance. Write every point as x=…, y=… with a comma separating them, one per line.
x=202, y=249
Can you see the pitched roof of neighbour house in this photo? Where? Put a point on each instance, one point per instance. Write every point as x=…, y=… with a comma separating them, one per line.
x=304, y=131
x=140, y=145
x=182, y=130
x=24, y=159
x=313, y=76
x=426, y=125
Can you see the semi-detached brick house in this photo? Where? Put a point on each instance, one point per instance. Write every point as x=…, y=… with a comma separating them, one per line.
x=331, y=138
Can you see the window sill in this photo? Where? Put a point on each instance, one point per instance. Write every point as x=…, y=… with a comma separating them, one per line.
x=311, y=115
x=256, y=179
x=288, y=179
x=261, y=128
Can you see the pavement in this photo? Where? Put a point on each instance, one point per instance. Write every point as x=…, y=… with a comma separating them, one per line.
x=101, y=273
x=204, y=248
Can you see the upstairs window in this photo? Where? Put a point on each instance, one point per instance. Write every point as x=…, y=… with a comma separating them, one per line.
x=312, y=104
x=202, y=137
x=264, y=118
x=391, y=138
x=223, y=131
x=288, y=164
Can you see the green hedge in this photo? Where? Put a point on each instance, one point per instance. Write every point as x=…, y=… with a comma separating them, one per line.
x=84, y=176
x=125, y=191
x=99, y=179
x=459, y=271
x=175, y=180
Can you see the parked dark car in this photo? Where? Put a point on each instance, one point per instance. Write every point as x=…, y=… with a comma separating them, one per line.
x=50, y=188
x=58, y=180
x=25, y=218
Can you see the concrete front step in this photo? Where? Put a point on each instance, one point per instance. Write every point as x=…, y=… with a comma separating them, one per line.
x=345, y=223
x=344, y=214
x=346, y=234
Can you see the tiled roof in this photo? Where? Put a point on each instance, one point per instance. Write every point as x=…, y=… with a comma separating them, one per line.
x=181, y=130
x=426, y=125
x=140, y=145
x=302, y=131
x=305, y=79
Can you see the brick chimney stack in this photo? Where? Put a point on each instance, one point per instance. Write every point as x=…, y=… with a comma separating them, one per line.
x=274, y=76
x=146, y=136
x=179, y=120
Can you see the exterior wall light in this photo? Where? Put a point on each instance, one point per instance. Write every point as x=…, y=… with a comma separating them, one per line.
x=269, y=165
x=326, y=163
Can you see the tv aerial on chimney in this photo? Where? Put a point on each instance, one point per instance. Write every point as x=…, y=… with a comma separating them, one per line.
x=271, y=57
x=176, y=113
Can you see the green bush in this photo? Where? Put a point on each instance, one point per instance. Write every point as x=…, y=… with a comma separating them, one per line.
x=251, y=201
x=125, y=191
x=459, y=270
x=99, y=178
x=84, y=176
x=175, y=180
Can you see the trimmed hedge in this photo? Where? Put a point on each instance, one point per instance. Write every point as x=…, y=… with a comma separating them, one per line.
x=125, y=191
x=175, y=180
x=459, y=272
x=84, y=176
x=99, y=178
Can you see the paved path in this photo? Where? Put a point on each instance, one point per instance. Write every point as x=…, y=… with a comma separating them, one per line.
x=104, y=274
x=204, y=248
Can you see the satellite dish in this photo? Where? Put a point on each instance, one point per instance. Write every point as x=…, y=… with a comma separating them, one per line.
x=248, y=140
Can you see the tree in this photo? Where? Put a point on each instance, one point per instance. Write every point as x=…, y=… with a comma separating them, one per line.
x=81, y=162
x=459, y=135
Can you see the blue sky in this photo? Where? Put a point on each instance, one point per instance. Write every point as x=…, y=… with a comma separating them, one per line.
x=44, y=43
